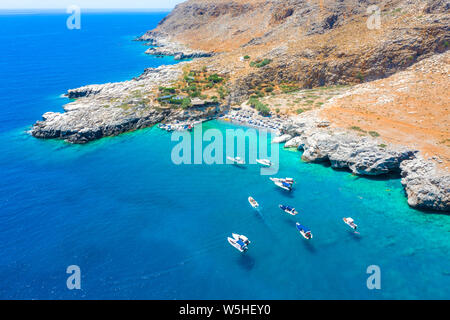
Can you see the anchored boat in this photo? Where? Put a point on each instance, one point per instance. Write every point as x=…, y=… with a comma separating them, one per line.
x=283, y=185
x=239, y=241
x=236, y=160
x=304, y=231
x=288, y=209
x=351, y=223
x=264, y=162
x=287, y=180
x=253, y=202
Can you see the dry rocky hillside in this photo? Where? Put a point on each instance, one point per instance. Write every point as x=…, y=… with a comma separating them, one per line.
x=309, y=43
x=411, y=108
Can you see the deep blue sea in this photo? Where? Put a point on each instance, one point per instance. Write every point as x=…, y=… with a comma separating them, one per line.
x=139, y=226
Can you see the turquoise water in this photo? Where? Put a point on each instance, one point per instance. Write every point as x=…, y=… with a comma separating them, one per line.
x=140, y=226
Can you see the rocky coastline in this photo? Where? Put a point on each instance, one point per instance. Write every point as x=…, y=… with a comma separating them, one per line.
x=161, y=45
x=88, y=119
x=114, y=108
x=425, y=185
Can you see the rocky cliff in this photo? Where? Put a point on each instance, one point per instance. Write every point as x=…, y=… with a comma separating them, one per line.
x=311, y=43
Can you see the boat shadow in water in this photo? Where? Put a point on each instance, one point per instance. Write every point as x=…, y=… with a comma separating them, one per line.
x=355, y=235
x=240, y=166
x=287, y=194
x=246, y=261
x=309, y=245
x=259, y=215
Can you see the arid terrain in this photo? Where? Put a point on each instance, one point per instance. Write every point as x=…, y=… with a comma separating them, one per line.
x=409, y=108
x=322, y=49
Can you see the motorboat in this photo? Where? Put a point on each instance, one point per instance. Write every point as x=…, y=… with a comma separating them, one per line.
x=304, y=231
x=242, y=237
x=287, y=180
x=264, y=162
x=236, y=160
x=240, y=242
x=283, y=185
x=253, y=202
x=288, y=209
x=351, y=223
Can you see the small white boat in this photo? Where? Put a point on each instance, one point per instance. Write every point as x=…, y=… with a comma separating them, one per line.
x=288, y=209
x=240, y=242
x=242, y=237
x=283, y=185
x=287, y=180
x=351, y=223
x=304, y=231
x=253, y=202
x=264, y=162
x=236, y=160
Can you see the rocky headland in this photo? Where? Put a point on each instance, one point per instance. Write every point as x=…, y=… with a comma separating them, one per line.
x=114, y=108
x=303, y=68
x=161, y=45
x=427, y=186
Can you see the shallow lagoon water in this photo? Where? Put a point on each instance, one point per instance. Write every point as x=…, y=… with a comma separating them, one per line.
x=140, y=226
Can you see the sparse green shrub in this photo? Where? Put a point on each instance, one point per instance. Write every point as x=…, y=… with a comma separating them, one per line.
x=259, y=94
x=260, y=63
x=214, y=78
x=287, y=88
x=263, y=109
x=194, y=94
x=186, y=103
x=356, y=128
x=166, y=90
x=259, y=106
x=223, y=92
x=360, y=76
